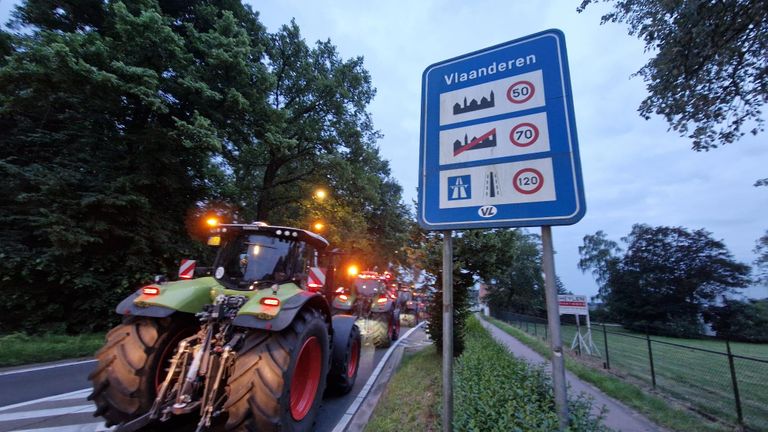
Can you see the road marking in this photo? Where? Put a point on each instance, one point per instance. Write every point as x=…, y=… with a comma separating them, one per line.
x=33, y=369
x=71, y=395
x=23, y=415
x=87, y=427
x=347, y=417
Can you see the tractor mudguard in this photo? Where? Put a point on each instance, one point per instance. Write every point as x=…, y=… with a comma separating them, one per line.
x=127, y=307
x=382, y=307
x=340, y=305
x=288, y=311
x=186, y=296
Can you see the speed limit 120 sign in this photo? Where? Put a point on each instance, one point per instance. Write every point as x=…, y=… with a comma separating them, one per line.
x=498, y=138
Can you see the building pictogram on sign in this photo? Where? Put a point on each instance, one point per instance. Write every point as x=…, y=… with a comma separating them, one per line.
x=187, y=269
x=459, y=188
x=485, y=103
x=485, y=140
x=316, y=278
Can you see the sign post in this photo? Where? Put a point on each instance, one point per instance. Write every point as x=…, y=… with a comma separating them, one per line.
x=498, y=148
x=447, y=331
x=553, y=319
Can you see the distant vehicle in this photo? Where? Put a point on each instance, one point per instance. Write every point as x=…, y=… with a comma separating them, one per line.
x=251, y=348
x=411, y=309
x=368, y=298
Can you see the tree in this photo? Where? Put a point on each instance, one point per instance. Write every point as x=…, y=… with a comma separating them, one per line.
x=708, y=76
x=122, y=119
x=598, y=254
x=740, y=320
x=517, y=284
x=666, y=277
x=761, y=262
x=106, y=144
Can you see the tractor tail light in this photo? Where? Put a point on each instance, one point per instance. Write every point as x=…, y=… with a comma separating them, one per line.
x=382, y=299
x=270, y=301
x=343, y=297
x=150, y=290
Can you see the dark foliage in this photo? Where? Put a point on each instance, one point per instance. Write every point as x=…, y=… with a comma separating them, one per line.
x=665, y=279
x=745, y=321
x=709, y=72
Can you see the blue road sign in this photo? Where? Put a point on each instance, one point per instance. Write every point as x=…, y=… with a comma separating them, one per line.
x=498, y=138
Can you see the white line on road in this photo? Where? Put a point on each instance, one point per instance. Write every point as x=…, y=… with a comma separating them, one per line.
x=71, y=395
x=347, y=417
x=37, y=368
x=46, y=412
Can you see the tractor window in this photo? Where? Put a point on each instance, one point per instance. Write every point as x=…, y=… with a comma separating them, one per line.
x=260, y=258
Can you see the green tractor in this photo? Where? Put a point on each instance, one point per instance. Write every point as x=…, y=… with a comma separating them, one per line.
x=410, y=307
x=370, y=300
x=253, y=347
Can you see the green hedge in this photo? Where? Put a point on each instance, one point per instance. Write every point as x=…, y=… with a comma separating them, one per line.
x=496, y=392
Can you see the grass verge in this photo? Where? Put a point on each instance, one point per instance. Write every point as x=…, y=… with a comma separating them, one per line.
x=655, y=408
x=412, y=399
x=18, y=348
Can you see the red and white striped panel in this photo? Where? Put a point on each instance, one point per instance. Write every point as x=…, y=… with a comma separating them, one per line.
x=187, y=269
x=316, y=278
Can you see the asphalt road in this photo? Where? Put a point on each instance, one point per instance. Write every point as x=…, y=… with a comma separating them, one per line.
x=53, y=398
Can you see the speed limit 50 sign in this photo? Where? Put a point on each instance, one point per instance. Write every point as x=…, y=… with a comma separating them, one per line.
x=498, y=138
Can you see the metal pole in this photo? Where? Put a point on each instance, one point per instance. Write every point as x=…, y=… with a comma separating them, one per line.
x=447, y=331
x=735, y=383
x=553, y=317
x=578, y=334
x=650, y=358
x=605, y=340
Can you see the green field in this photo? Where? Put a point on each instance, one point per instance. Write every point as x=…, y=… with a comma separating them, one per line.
x=699, y=378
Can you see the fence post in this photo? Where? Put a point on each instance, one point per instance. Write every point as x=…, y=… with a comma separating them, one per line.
x=526, y=326
x=650, y=357
x=607, y=363
x=545, y=332
x=735, y=383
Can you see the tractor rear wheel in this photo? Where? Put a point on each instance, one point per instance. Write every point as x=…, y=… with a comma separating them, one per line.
x=345, y=363
x=278, y=379
x=380, y=329
x=132, y=365
x=408, y=319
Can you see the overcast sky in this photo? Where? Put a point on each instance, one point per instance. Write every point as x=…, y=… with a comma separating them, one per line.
x=635, y=171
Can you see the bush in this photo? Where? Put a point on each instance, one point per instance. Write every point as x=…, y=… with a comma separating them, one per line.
x=524, y=403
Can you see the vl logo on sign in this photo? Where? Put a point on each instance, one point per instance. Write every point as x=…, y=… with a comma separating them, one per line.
x=487, y=211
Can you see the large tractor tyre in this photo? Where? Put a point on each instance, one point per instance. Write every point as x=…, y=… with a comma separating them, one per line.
x=408, y=320
x=132, y=364
x=380, y=329
x=278, y=379
x=345, y=361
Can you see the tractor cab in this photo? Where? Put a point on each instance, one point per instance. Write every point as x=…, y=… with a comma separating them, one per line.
x=252, y=256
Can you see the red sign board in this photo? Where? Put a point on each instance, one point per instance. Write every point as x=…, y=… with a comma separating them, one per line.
x=573, y=304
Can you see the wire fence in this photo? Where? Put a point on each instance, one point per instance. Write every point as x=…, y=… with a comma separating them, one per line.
x=722, y=380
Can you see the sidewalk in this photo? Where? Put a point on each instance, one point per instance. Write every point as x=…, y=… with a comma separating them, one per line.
x=618, y=416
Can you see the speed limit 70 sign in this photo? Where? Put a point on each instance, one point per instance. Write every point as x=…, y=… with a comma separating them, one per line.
x=498, y=138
